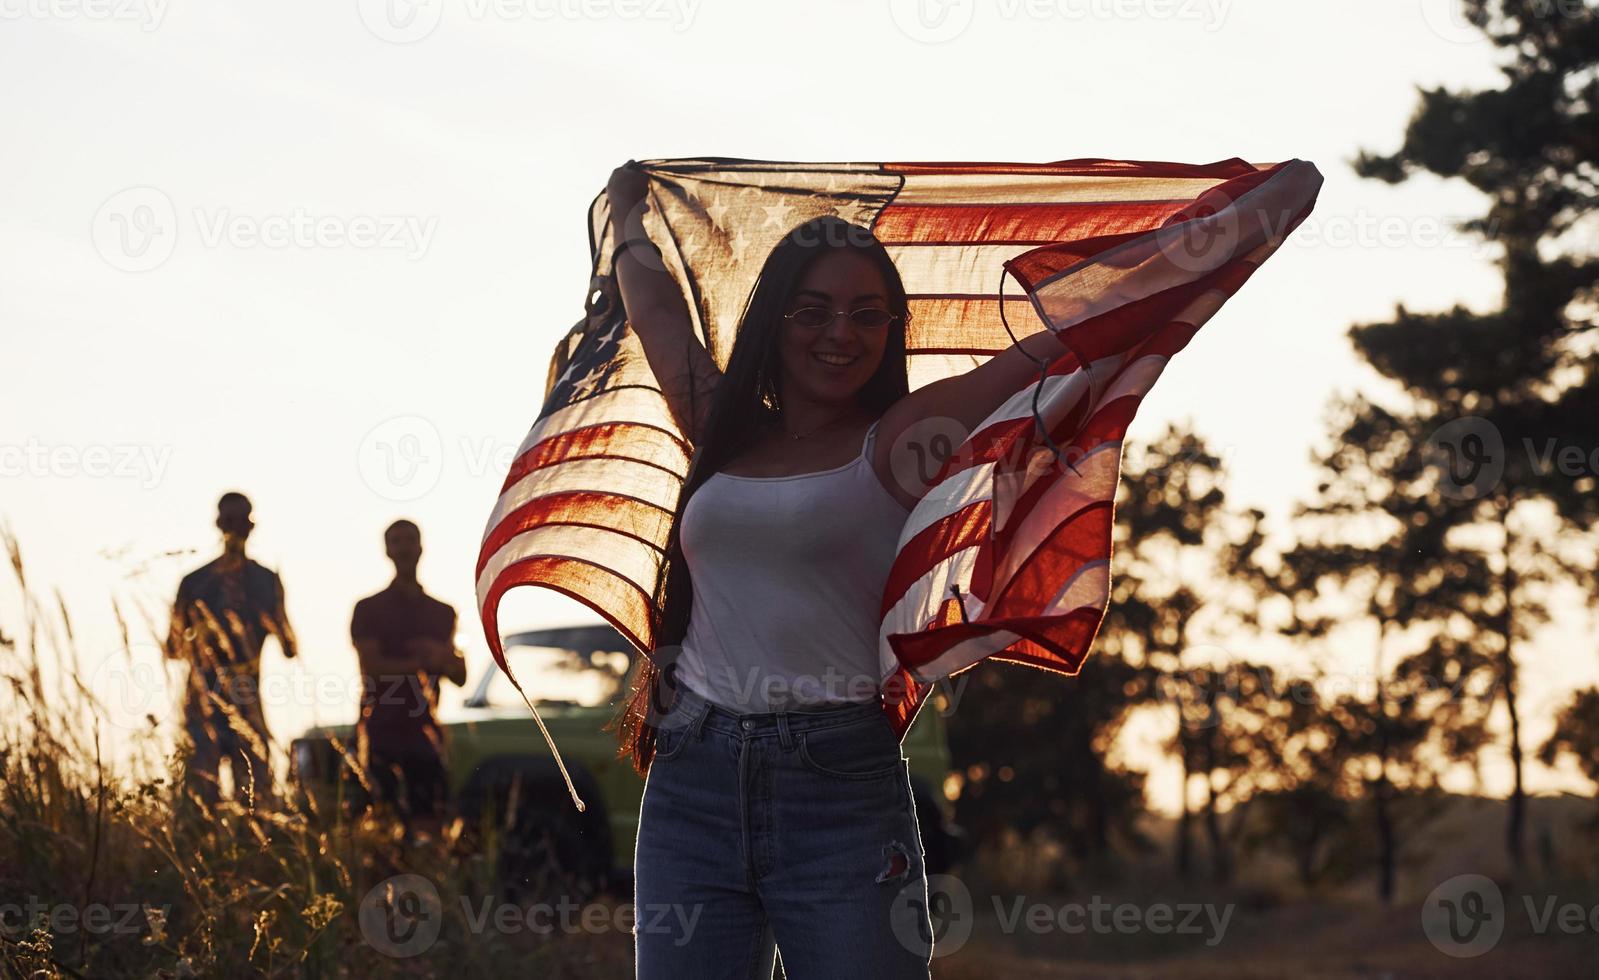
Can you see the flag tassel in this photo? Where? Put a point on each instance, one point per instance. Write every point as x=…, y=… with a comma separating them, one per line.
x=559, y=764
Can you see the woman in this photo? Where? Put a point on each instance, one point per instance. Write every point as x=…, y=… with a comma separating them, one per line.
x=777, y=812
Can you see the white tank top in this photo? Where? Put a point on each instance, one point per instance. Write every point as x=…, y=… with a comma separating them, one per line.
x=788, y=575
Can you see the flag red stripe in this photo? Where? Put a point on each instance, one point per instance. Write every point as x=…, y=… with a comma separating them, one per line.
x=633, y=441
x=1021, y=223
x=1083, y=167
x=592, y=584
x=1082, y=537
x=615, y=512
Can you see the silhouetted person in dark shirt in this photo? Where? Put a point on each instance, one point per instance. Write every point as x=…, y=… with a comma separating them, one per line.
x=223, y=614
x=405, y=639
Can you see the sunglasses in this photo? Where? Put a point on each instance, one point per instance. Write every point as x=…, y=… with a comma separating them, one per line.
x=867, y=317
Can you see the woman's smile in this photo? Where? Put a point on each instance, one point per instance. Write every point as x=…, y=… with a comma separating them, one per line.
x=835, y=360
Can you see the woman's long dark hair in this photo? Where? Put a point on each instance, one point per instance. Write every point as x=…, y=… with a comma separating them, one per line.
x=748, y=399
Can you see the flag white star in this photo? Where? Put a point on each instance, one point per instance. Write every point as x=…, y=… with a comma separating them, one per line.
x=777, y=214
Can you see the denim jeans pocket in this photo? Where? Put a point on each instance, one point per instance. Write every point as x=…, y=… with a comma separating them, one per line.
x=859, y=750
x=671, y=739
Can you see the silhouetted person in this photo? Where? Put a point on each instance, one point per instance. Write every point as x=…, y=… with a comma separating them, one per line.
x=223, y=614
x=405, y=639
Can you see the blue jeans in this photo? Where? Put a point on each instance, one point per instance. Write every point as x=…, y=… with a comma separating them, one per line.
x=785, y=830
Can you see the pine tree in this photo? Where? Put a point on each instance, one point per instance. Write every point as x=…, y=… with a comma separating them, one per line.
x=1511, y=395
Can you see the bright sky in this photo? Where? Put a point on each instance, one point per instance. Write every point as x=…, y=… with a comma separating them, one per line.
x=370, y=211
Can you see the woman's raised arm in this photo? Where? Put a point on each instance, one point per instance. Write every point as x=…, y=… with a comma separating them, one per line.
x=656, y=309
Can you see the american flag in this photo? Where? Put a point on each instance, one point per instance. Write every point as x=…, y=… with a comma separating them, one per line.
x=1007, y=556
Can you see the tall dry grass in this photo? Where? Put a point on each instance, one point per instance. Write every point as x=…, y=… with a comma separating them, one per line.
x=110, y=868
